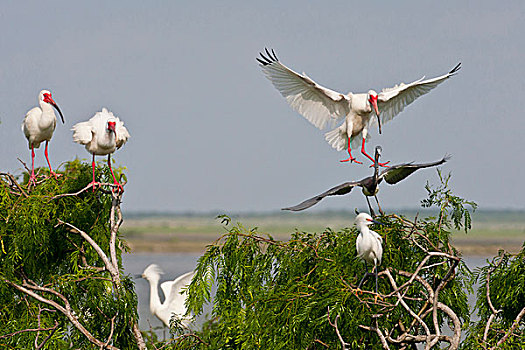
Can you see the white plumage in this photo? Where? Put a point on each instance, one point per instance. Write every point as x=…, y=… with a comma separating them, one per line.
x=369, y=245
x=322, y=106
x=38, y=126
x=174, y=300
x=102, y=135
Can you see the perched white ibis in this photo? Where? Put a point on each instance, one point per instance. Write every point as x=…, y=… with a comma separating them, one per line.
x=102, y=134
x=174, y=300
x=38, y=126
x=320, y=105
x=369, y=245
x=370, y=185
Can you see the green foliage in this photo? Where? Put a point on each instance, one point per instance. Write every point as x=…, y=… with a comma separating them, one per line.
x=450, y=206
x=505, y=275
x=275, y=295
x=35, y=249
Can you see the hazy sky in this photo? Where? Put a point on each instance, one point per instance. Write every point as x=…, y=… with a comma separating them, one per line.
x=210, y=132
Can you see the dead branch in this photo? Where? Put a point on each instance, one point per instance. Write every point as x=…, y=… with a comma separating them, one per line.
x=85, y=189
x=512, y=328
x=30, y=330
x=109, y=266
x=30, y=289
x=334, y=324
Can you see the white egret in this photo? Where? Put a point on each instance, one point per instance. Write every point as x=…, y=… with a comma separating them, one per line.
x=174, y=300
x=369, y=246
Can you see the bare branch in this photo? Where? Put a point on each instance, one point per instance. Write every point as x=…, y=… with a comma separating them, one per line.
x=100, y=252
x=334, y=324
x=30, y=330
x=512, y=328
x=66, y=309
x=85, y=189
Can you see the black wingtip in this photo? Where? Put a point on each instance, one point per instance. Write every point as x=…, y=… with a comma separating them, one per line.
x=455, y=69
x=270, y=57
x=447, y=157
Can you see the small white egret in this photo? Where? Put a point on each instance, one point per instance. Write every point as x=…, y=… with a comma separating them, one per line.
x=174, y=300
x=102, y=134
x=320, y=105
x=38, y=126
x=369, y=246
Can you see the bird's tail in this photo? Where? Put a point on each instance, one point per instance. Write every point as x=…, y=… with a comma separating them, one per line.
x=337, y=138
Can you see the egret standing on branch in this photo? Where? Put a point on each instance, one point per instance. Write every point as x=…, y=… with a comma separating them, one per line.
x=174, y=300
x=369, y=246
x=38, y=126
x=320, y=105
x=102, y=134
x=370, y=185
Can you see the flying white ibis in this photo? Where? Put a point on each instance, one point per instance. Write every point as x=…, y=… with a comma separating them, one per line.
x=174, y=300
x=319, y=105
x=370, y=185
x=102, y=134
x=369, y=246
x=38, y=126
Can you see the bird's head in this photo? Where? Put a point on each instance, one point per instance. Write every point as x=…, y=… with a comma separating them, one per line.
x=372, y=99
x=379, y=149
x=45, y=97
x=152, y=272
x=111, y=127
x=364, y=219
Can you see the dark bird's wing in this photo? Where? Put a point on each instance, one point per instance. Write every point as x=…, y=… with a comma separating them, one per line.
x=399, y=172
x=335, y=191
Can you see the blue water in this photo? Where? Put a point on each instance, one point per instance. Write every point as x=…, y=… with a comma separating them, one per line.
x=176, y=264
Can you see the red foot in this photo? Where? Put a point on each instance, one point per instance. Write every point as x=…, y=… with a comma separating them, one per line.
x=351, y=160
x=119, y=187
x=93, y=183
x=55, y=175
x=32, y=180
x=381, y=164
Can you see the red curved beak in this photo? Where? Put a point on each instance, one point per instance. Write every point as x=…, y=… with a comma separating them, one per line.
x=373, y=101
x=49, y=99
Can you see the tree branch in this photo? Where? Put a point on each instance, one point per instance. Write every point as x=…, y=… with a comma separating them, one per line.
x=334, y=324
x=66, y=309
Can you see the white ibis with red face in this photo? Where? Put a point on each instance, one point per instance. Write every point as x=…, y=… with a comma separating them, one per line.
x=38, y=126
x=320, y=105
x=102, y=134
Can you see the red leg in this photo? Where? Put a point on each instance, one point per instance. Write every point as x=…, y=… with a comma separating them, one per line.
x=372, y=159
x=351, y=159
x=32, y=178
x=114, y=179
x=93, y=166
x=55, y=175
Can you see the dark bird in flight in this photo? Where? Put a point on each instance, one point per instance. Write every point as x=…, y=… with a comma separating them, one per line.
x=370, y=185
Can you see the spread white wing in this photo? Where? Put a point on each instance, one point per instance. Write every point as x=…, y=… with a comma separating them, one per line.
x=172, y=291
x=391, y=101
x=316, y=103
x=82, y=132
x=122, y=133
